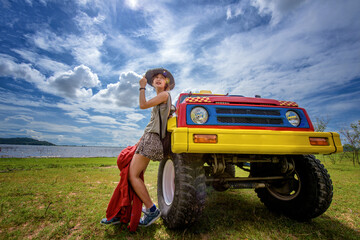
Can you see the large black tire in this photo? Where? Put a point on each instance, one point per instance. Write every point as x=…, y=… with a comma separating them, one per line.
x=307, y=195
x=181, y=190
x=229, y=172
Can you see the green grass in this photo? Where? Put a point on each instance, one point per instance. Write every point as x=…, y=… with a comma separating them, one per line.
x=66, y=198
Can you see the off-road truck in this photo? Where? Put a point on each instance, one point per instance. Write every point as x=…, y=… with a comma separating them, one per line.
x=272, y=140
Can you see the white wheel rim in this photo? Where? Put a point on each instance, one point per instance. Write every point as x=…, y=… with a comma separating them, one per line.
x=168, y=182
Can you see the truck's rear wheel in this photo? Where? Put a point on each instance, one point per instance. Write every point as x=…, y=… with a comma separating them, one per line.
x=181, y=190
x=307, y=194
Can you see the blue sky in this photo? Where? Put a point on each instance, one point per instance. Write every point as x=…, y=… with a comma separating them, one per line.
x=69, y=70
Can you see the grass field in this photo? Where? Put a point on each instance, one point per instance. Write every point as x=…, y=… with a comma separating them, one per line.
x=66, y=198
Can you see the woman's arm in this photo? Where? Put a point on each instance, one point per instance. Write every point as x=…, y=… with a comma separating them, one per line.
x=160, y=98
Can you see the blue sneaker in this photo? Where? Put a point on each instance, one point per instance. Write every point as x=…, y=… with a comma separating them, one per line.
x=112, y=221
x=149, y=218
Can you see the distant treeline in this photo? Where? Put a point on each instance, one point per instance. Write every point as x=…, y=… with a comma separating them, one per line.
x=348, y=148
x=24, y=141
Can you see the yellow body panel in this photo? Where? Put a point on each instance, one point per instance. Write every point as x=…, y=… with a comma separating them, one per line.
x=242, y=141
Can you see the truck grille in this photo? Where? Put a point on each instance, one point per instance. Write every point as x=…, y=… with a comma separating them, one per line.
x=248, y=116
x=247, y=111
x=250, y=120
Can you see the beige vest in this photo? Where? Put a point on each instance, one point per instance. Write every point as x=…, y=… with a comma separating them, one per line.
x=154, y=124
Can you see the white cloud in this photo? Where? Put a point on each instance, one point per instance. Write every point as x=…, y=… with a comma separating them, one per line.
x=235, y=10
x=125, y=137
x=44, y=2
x=51, y=127
x=83, y=2
x=132, y=4
x=172, y=36
x=228, y=13
x=277, y=8
x=41, y=61
x=124, y=93
x=126, y=45
x=36, y=127
x=74, y=84
x=81, y=120
x=65, y=139
x=85, y=48
x=104, y=120
x=8, y=68
x=74, y=110
x=33, y=134
x=85, y=22
x=23, y=118
x=51, y=65
x=23, y=100
x=135, y=117
x=29, y=2
x=47, y=40
x=8, y=108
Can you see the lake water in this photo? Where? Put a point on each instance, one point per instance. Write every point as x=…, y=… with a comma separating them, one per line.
x=26, y=151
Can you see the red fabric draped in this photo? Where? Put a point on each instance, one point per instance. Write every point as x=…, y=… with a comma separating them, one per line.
x=124, y=202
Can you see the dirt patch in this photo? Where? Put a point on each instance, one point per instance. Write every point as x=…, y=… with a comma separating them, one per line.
x=36, y=232
x=108, y=167
x=74, y=230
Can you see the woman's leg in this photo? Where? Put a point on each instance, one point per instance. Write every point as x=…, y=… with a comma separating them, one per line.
x=138, y=164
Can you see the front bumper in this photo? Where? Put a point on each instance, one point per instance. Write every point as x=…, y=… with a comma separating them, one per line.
x=240, y=141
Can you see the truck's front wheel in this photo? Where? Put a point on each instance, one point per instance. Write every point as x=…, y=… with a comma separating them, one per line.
x=306, y=194
x=181, y=190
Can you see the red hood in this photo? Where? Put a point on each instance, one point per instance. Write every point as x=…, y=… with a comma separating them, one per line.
x=244, y=100
x=240, y=100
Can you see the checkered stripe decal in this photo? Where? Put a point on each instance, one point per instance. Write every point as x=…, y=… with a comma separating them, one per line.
x=198, y=100
x=288, y=103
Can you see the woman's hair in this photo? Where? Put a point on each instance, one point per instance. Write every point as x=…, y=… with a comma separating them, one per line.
x=166, y=85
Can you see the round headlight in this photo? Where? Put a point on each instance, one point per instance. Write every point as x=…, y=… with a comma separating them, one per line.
x=293, y=118
x=199, y=115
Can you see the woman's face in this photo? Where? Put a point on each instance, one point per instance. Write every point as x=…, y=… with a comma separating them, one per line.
x=159, y=81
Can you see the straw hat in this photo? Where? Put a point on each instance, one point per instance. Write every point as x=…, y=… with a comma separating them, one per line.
x=153, y=72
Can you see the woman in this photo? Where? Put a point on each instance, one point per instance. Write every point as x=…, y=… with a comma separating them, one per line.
x=150, y=145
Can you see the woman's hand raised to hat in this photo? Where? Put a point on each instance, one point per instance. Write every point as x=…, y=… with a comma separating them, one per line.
x=143, y=82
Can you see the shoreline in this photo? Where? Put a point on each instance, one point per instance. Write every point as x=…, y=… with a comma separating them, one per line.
x=40, y=151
